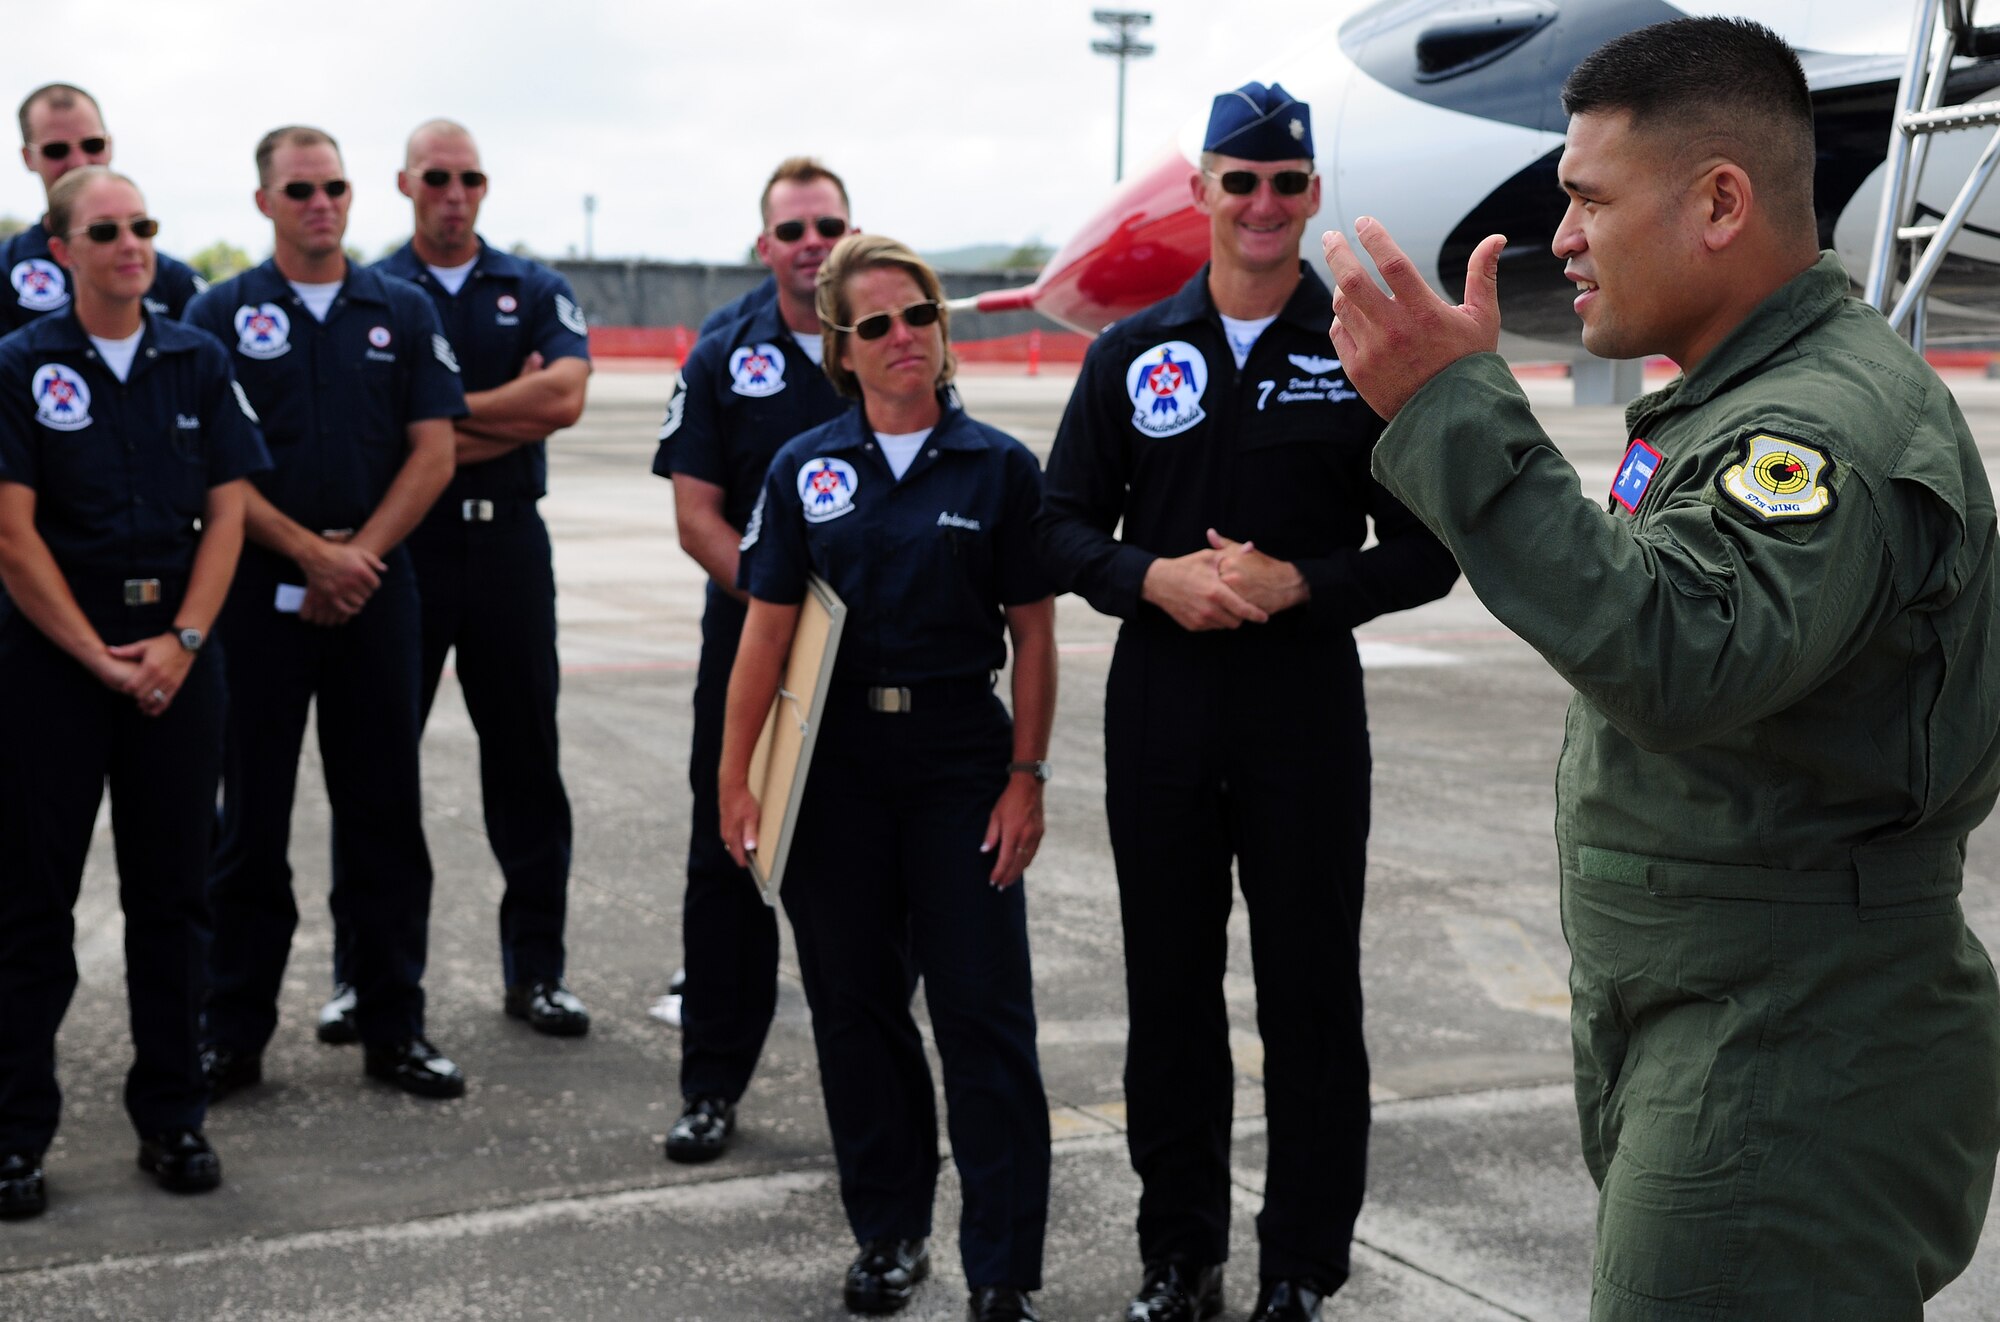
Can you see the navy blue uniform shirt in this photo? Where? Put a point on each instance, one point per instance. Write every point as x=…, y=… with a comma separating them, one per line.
x=744, y=391
x=335, y=397
x=736, y=309
x=507, y=308
x=122, y=469
x=37, y=286
x=925, y=564
x=1164, y=432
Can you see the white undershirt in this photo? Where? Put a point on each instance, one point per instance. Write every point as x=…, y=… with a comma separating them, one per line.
x=901, y=451
x=118, y=354
x=318, y=298
x=1243, y=335
x=453, y=278
x=812, y=346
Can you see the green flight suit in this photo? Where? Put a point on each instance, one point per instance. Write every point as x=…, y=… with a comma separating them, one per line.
x=1786, y=722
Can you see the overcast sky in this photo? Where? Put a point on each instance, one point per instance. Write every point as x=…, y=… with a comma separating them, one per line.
x=953, y=122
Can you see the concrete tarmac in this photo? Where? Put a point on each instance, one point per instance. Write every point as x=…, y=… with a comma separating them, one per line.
x=542, y=1194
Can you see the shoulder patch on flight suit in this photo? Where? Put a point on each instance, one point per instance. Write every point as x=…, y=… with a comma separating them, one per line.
x=1779, y=479
x=1635, y=474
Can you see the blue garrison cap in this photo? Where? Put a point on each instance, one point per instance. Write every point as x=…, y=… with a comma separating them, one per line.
x=1259, y=123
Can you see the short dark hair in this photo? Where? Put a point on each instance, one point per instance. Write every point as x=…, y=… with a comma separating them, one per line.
x=60, y=96
x=1718, y=85
x=798, y=170
x=291, y=135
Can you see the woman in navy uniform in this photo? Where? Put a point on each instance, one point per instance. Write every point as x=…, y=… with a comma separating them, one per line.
x=124, y=443
x=924, y=804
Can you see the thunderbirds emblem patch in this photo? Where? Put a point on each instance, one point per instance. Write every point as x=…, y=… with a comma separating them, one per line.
x=1165, y=385
x=1779, y=479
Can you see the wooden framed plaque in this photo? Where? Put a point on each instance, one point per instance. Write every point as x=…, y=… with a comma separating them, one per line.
x=783, y=756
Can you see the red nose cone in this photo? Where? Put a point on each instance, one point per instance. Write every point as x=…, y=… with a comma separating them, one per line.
x=1141, y=248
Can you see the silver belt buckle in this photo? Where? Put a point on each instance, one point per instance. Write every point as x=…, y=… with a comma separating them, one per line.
x=142, y=591
x=476, y=511
x=891, y=699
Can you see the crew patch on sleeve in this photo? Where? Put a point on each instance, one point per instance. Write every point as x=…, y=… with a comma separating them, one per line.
x=1779, y=479
x=1635, y=474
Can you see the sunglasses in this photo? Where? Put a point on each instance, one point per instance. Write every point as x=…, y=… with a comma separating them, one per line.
x=1285, y=183
x=875, y=327
x=301, y=190
x=56, y=151
x=442, y=178
x=106, y=231
x=791, y=231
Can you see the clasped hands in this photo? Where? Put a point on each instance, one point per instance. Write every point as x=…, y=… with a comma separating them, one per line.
x=340, y=578
x=1229, y=584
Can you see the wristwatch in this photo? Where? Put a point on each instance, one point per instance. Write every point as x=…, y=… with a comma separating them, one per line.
x=1040, y=770
x=191, y=640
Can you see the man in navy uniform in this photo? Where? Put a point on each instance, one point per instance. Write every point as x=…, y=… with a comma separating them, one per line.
x=485, y=575
x=1215, y=426
x=747, y=388
x=358, y=389
x=61, y=129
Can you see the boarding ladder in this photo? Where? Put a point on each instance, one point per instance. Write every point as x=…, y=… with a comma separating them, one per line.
x=1940, y=31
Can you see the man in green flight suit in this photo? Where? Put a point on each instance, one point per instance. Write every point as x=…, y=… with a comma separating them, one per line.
x=1781, y=630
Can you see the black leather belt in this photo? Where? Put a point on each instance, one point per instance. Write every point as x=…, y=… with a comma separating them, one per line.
x=927, y=695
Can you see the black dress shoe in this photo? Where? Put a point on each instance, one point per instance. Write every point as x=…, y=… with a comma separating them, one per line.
x=702, y=1132
x=22, y=1192
x=882, y=1278
x=181, y=1160
x=1288, y=1301
x=549, y=1007
x=1000, y=1303
x=228, y=1070
x=416, y=1067
x=337, y=1025
x=1176, y=1290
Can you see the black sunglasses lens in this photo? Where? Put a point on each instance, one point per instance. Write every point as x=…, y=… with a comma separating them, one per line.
x=873, y=328
x=789, y=231
x=920, y=314
x=830, y=227
x=1290, y=182
x=54, y=151
x=298, y=190
x=145, y=227
x=472, y=178
x=92, y=146
x=437, y=178
x=334, y=187
x=1239, y=182
x=104, y=231
x=442, y=178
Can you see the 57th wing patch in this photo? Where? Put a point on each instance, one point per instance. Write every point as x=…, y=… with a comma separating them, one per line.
x=1779, y=479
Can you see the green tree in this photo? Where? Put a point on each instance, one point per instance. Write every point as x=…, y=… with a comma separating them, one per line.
x=1030, y=256
x=220, y=260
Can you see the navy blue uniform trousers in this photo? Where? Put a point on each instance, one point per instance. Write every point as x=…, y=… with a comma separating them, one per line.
x=364, y=677
x=66, y=735
x=1251, y=746
x=729, y=936
x=885, y=879
x=489, y=590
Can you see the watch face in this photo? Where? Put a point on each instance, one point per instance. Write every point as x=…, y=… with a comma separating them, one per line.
x=191, y=639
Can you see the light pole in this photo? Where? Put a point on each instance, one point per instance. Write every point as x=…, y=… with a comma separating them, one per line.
x=1123, y=23
x=589, y=215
